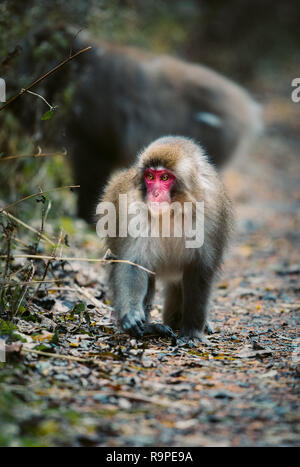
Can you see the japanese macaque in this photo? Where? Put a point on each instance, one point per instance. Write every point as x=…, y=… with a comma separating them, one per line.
x=171, y=173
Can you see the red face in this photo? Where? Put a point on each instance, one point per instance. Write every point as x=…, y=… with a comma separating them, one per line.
x=159, y=183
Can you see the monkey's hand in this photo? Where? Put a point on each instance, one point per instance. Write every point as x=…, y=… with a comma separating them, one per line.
x=133, y=323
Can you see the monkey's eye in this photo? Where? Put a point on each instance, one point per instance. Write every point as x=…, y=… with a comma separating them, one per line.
x=149, y=176
x=164, y=177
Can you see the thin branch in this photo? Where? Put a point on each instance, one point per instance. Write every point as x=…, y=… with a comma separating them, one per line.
x=39, y=154
x=37, y=81
x=41, y=230
x=56, y=355
x=24, y=289
x=47, y=264
x=16, y=239
x=33, y=282
x=44, y=237
x=37, y=194
x=9, y=240
x=51, y=107
x=72, y=40
x=18, y=271
x=96, y=361
x=91, y=260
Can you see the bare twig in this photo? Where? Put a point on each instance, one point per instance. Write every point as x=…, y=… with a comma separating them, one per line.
x=41, y=231
x=18, y=271
x=55, y=355
x=39, y=154
x=33, y=282
x=91, y=260
x=24, y=289
x=37, y=194
x=51, y=107
x=17, y=240
x=48, y=264
x=73, y=39
x=8, y=234
x=43, y=236
x=50, y=72
x=66, y=357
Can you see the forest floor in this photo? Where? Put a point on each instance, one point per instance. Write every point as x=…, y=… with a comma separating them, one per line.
x=77, y=381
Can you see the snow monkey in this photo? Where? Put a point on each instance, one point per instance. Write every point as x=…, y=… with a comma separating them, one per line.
x=171, y=176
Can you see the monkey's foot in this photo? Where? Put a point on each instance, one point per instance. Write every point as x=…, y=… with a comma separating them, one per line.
x=192, y=341
x=192, y=337
x=209, y=329
x=133, y=325
x=158, y=329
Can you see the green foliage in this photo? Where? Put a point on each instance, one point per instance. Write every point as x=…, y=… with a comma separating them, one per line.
x=48, y=115
x=8, y=329
x=78, y=308
x=55, y=338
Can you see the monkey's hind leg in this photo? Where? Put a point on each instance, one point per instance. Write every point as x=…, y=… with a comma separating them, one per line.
x=149, y=298
x=172, y=312
x=197, y=280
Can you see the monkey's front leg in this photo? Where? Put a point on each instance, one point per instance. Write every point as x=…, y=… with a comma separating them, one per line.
x=197, y=281
x=130, y=285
